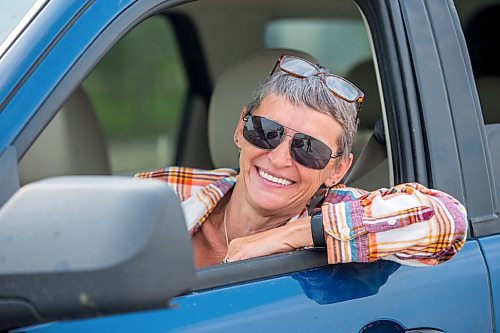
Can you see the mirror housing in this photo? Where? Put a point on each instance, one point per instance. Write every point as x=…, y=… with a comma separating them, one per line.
x=76, y=247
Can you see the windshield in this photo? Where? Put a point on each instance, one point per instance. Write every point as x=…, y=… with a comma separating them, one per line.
x=11, y=13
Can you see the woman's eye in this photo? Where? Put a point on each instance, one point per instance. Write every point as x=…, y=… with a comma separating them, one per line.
x=298, y=143
x=272, y=135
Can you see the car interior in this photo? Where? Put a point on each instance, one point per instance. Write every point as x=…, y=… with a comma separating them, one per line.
x=171, y=90
x=201, y=136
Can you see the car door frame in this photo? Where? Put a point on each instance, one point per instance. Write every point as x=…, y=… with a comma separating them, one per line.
x=430, y=96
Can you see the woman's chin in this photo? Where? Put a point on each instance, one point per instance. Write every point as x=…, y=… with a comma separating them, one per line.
x=269, y=195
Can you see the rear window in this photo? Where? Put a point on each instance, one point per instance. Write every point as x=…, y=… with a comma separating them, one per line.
x=340, y=44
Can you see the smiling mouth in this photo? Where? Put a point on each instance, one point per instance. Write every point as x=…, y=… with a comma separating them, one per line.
x=273, y=179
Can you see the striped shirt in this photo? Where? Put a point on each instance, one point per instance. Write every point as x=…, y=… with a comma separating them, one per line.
x=407, y=223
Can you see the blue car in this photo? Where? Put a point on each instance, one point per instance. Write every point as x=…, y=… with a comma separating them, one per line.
x=93, y=91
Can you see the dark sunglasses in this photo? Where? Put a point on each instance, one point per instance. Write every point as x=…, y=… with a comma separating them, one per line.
x=339, y=86
x=266, y=134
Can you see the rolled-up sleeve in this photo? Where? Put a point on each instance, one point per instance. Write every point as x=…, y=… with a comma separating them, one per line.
x=408, y=223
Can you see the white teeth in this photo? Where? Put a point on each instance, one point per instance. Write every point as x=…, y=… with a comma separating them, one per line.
x=273, y=179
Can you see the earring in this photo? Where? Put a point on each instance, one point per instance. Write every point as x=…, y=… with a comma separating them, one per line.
x=331, y=184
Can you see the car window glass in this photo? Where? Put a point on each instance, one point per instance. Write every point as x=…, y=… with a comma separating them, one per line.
x=480, y=20
x=348, y=34
x=138, y=91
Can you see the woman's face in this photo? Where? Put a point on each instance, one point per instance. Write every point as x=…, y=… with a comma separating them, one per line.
x=295, y=184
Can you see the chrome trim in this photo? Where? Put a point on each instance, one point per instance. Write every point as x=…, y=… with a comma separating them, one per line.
x=22, y=25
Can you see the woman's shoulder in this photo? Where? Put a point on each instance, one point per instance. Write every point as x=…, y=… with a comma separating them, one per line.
x=187, y=181
x=188, y=176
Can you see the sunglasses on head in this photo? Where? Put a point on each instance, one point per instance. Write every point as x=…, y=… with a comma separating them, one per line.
x=337, y=85
x=267, y=134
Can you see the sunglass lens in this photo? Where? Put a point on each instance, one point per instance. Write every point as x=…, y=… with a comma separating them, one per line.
x=262, y=132
x=342, y=87
x=298, y=66
x=310, y=152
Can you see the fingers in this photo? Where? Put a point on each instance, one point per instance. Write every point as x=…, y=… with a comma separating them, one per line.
x=261, y=244
x=282, y=239
x=238, y=249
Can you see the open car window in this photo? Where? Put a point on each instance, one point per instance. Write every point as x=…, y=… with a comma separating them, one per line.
x=147, y=103
x=125, y=116
x=138, y=90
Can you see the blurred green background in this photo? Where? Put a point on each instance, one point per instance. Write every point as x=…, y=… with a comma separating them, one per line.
x=138, y=91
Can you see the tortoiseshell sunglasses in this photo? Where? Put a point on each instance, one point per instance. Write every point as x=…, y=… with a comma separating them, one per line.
x=339, y=86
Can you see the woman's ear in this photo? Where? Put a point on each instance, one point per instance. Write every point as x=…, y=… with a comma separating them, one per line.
x=238, y=132
x=340, y=168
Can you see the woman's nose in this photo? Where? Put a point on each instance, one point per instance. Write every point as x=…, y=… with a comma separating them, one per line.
x=280, y=156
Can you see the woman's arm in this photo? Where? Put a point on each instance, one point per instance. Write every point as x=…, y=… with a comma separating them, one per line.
x=407, y=223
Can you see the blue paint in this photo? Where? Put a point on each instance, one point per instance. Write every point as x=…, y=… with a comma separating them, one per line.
x=21, y=56
x=343, y=282
x=341, y=298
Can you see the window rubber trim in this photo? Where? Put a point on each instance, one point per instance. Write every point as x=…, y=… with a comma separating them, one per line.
x=259, y=268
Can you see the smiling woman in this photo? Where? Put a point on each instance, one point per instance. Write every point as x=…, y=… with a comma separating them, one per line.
x=295, y=137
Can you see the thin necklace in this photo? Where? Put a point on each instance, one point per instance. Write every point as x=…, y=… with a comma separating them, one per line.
x=225, y=226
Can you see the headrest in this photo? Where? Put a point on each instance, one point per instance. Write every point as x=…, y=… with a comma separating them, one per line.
x=363, y=76
x=72, y=144
x=232, y=92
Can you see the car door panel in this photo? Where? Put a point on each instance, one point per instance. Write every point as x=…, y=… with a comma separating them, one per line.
x=336, y=298
x=491, y=249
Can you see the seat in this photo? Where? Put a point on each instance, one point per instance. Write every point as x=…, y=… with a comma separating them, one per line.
x=232, y=92
x=370, y=169
x=72, y=144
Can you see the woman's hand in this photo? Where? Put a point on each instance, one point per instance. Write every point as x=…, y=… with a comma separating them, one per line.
x=289, y=237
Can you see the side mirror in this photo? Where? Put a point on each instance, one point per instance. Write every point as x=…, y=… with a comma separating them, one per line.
x=75, y=247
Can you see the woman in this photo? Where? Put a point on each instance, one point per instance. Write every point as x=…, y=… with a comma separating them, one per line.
x=295, y=138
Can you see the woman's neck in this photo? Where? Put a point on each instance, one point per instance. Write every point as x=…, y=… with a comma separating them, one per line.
x=235, y=217
x=243, y=220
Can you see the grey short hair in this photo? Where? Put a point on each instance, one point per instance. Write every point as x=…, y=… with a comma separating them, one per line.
x=312, y=93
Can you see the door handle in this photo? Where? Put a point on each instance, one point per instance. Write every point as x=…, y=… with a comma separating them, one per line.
x=391, y=326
